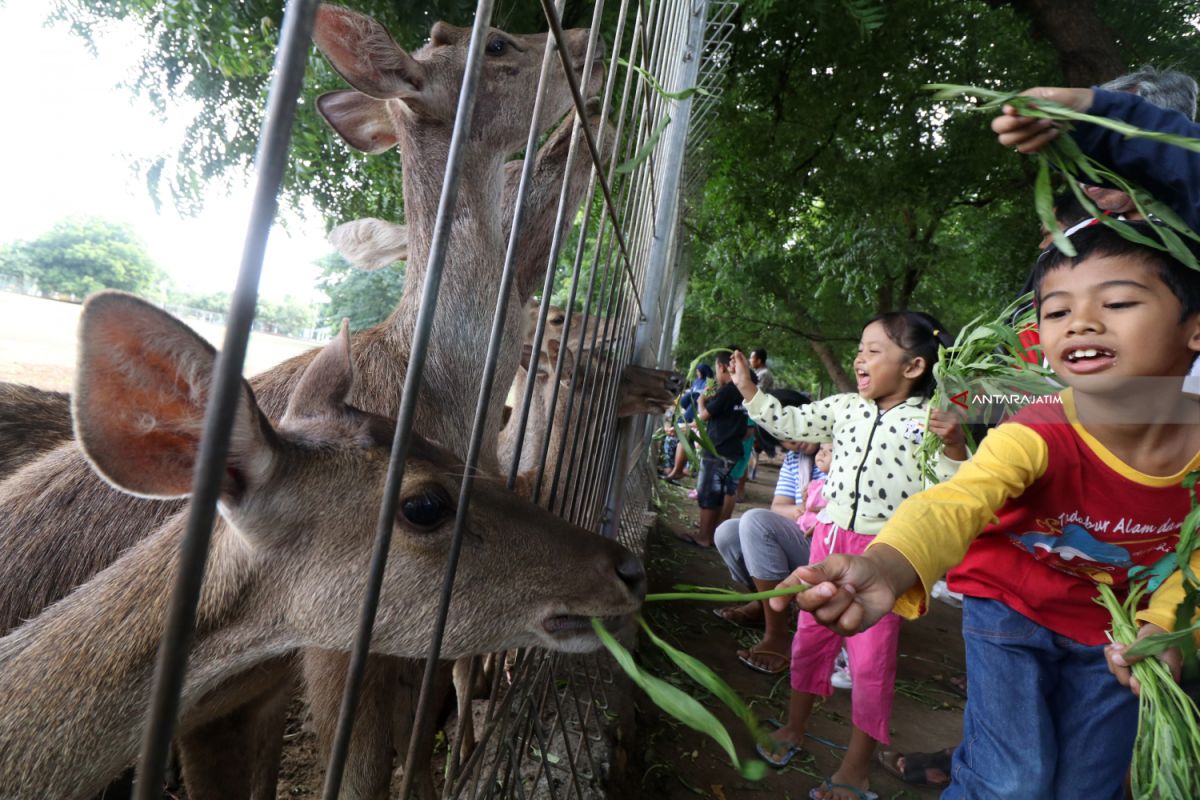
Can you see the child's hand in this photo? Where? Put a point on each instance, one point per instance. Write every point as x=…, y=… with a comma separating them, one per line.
x=1119, y=664
x=1031, y=134
x=946, y=425
x=846, y=594
x=740, y=370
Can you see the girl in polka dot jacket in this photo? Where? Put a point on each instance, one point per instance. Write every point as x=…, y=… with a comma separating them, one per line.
x=875, y=435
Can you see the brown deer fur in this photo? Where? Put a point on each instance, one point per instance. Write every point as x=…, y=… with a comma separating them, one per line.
x=57, y=499
x=298, y=517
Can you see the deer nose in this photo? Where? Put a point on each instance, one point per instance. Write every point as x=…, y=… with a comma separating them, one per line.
x=633, y=574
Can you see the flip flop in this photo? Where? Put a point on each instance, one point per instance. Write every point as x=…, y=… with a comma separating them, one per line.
x=828, y=786
x=917, y=766
x=745, y=659
x=779, y=758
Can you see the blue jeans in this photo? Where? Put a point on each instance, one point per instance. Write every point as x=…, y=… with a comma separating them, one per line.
x=1044, y=717
x=714, y=483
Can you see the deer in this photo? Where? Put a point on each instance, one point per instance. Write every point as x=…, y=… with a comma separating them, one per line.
x=297, y=520
x=398, y=99
x=640, y=390
x=32, y=421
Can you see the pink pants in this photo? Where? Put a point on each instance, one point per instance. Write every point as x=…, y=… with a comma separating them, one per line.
x=872, y=653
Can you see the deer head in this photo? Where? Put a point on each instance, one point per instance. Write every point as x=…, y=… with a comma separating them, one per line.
x=397, y=92
x=298, y=513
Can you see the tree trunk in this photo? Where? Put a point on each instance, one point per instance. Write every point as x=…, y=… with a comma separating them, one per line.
x=841, y=379
x=1087, y=50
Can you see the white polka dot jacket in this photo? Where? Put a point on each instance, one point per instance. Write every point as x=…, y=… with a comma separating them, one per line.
x=874, y=452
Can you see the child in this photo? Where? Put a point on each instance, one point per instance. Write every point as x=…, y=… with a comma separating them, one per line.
x=875, y=434
x=814, y=496
x=726, y=420
x=1081, y=491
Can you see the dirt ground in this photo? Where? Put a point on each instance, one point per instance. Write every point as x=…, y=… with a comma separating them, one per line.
x=37, y=342
x=680, y=764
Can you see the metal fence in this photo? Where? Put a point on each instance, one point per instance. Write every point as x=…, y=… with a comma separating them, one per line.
x=548, y=715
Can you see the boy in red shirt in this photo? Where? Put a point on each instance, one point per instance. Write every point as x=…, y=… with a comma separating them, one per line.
x=1065, y=495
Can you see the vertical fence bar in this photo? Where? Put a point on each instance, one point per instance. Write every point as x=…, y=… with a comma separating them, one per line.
x=169, y=672
x=666, y=217
x=408, y=403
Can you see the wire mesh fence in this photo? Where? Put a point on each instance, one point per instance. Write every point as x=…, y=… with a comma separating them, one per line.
x=583, y=399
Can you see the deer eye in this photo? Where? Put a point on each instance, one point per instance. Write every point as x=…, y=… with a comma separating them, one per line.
x=496, y=46
x=557, y=321
x=427, y=509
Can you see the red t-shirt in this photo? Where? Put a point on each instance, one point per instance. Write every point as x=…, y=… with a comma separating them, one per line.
x=1088, y=519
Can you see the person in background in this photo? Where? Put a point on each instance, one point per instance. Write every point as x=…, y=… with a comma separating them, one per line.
x=720, y=408
x=687, y=403
x=758, y=362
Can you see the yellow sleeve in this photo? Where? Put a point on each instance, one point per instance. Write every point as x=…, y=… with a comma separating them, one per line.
x=1166, y=599
x=934, y=528
x=808, y=423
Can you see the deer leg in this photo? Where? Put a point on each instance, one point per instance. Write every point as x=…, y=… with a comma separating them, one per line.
x=404, y=721
x=368, y=771
x=245, y=715
x=214, y=756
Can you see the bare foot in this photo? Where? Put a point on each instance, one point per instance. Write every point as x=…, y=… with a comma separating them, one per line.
x=750, y=614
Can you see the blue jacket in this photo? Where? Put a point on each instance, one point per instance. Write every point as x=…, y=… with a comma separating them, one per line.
x=1171, y=174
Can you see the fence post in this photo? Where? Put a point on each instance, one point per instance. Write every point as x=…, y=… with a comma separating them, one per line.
x=662, y=247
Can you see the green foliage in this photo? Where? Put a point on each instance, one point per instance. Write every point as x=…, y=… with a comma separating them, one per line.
x=218, y=56
x=365, y=298
x=81, y=255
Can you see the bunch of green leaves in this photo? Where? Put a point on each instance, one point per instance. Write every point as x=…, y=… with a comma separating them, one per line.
x=987, y=357
x=678, y=703
x=1078, y=168
x=1166, y=753
x=1166, y=756
x=1186, y=627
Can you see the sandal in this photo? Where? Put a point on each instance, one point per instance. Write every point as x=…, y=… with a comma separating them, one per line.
x=738, y=615
x=828, y=786
x=920, y=769
x=779, y=758
x=747, y=658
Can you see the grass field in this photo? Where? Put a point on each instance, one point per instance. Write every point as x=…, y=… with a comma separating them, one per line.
x=37, y=342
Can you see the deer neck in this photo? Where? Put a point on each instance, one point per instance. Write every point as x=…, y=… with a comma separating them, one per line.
x=75, y=682
x=474, y=262
x=476, y=218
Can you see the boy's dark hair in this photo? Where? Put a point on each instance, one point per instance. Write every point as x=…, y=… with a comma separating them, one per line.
x=760, y=354
x=919, y=335
x=1100, y=240
x=723, y=357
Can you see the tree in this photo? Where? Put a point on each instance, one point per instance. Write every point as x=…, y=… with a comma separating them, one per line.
x=365, y=298
x=81, y=255
x=837, y=189
x=219, y=56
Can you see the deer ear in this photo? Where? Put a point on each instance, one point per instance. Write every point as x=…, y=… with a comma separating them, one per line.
x=141, y=391
x=363, y=122
x=371, y=243
x=325, y=384
x=365, y=54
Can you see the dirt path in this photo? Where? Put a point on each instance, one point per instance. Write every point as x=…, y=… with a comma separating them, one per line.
x=680, y=764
